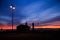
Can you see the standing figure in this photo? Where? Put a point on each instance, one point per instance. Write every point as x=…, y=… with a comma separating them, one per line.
x=32, y=26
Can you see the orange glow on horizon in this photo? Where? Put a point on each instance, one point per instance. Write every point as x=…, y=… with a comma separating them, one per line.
x=14, y=27
x=47, y=26
x=7, y=27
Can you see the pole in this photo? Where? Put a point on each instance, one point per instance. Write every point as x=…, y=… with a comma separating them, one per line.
x=12, y=8
x=12, y=19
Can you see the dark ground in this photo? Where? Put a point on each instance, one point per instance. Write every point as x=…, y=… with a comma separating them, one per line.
x=35, y=35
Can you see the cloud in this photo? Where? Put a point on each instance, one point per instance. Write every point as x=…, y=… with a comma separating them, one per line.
x=43, y=11
x=55, y=23
x=3, y=23
x=5, y=17
x=40, y=12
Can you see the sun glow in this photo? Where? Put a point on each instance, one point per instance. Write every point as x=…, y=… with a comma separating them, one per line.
x=47, y=26
x=14, y=27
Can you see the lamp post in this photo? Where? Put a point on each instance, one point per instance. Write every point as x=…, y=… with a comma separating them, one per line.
x=12, y=8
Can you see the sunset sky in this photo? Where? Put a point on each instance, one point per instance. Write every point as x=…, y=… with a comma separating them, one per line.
x=44, y=12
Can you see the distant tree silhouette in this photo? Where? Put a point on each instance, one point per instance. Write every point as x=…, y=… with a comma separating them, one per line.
x=23, y=27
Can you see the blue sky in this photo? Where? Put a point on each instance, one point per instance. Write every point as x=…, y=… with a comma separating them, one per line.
x=38, y=11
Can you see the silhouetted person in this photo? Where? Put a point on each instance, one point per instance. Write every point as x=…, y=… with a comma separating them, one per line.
x=32, y=26
x=23, y=28
x=26, y=23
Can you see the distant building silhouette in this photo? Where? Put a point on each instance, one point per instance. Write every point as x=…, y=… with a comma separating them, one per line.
x=32, y=26
x=23, y=27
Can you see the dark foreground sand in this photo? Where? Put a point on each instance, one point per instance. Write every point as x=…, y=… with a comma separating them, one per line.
x=28, y=35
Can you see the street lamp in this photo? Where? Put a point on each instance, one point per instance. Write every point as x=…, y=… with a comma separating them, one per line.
x=12, y=8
